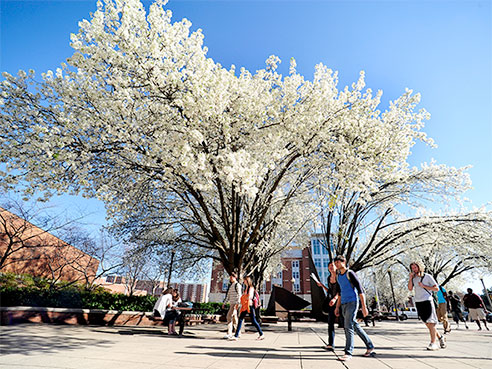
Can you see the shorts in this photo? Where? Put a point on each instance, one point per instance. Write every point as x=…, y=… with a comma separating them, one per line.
x=426, y=311
x=476, y=314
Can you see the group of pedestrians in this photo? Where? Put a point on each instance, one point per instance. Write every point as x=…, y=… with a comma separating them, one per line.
x=346, y=295
x=242, y=304
x=447, y=302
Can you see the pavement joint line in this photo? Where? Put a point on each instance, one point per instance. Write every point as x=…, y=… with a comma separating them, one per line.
x=334, y=352
x=266, y=352
x=465, y=363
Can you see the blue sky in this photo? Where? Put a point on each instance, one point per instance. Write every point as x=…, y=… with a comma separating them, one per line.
x=441, y=49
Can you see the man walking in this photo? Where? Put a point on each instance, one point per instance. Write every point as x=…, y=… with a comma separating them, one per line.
x=424, y=285
x=351, y=293
x=475, y=307
x=442, y=309
x=455, y=302
x=233, y=298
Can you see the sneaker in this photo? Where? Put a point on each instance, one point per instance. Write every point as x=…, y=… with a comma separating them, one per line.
x=442, y=342
x=432, y=347
x=233, y=338
x=226, y=337
x=345, y=357
x=262, y=337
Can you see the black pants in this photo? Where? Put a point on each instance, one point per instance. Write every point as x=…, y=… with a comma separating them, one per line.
x=331, y=326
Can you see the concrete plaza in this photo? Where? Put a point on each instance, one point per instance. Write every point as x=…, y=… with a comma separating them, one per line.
x=398, y=345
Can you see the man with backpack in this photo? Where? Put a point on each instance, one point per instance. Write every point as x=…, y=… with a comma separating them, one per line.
x=456, y=310
x=233, y=298
x=442, y=309
x=351, y=293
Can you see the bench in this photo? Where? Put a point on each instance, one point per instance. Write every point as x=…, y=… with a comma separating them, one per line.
x=300, y=315
x=181, y=321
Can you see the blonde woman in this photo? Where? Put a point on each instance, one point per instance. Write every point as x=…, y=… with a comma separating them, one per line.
x=424, y=285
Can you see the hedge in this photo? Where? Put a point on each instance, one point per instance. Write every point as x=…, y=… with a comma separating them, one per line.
x=25, y=290
x=74, y=298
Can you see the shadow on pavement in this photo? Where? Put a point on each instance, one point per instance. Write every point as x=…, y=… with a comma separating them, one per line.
x=142, y=331
x=289, y=352
x=18, y=342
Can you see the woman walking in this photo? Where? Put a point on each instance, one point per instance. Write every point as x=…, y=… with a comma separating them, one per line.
x=332, y=294
x=247, y=306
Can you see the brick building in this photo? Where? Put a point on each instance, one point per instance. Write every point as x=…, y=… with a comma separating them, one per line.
x=194, y=292
x=295, y=268
x=294, y=277
x=28, y=249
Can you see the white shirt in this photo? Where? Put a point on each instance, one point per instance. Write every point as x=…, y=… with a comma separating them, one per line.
x=164, y=302
x=421, y=294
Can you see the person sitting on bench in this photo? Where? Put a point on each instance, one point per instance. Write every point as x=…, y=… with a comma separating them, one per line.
x=164, y=308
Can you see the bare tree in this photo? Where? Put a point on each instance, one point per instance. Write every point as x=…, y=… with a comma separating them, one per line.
x=29, y=243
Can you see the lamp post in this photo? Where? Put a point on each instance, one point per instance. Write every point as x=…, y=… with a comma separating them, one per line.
x=170, y=269
x=376, y=292
x=293, y=281
x=394, y=299
x=485, y=291
x=264, y=290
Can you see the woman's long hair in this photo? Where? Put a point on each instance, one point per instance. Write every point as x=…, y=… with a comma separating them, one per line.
x=248, y=281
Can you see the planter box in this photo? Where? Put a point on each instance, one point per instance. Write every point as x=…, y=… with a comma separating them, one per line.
x=26, y=314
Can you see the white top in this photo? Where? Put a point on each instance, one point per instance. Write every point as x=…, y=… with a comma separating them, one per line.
x=164, y=302
x=421, y=294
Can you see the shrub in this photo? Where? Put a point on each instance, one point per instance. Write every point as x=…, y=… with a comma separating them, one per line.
x=25, y=290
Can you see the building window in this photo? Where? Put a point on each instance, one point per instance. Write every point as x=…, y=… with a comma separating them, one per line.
x=225, y=285
x=296, y=275
x=316, y=247
x=110, y=279
x=295, y=269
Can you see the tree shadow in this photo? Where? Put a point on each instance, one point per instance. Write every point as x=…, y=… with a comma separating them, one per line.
x=19, y=341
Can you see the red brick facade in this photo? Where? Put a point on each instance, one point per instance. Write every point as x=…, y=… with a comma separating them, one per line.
x=41, y=254
x=299, y=259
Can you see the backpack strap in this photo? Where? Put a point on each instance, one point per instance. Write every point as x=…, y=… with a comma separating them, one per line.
x=425, y=289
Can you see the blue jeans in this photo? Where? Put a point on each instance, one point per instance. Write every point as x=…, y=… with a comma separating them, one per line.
x=349, y=311
x=253, y=321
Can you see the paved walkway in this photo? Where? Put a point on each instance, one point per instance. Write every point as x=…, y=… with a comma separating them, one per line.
x=399, y=345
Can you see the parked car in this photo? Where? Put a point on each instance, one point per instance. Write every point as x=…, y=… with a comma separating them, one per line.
x=489, y=317
x=410, y=312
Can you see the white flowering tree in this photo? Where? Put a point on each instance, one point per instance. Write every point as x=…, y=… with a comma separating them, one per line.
x=142, y=119
x=461, y=247
x=372, y=226
x=376, y=282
